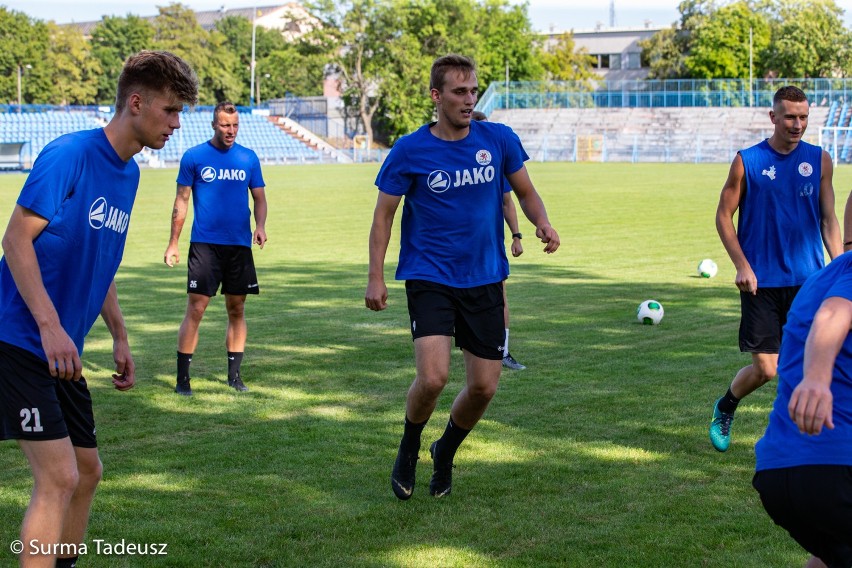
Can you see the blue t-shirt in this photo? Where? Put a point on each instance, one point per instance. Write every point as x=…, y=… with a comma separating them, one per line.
x=452, y=217
x=86, y=192
x=779, y=217
x=782, y=445
x=220, y=180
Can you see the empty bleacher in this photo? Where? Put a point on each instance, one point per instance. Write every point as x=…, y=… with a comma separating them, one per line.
x=660, y=134
x=272, y=145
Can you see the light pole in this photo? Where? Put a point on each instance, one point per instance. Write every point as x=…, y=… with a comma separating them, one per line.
x=265, y=76
x=20, y=73
x=253, y=62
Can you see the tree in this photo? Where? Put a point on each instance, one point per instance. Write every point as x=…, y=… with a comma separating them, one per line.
x=360, y=34
x=23, y=45
x=720, y=44
x=113, y=40
x=563, y=62
x=74, y=71
x=238, y=34
x=177, y=30
x=505, y=40
x=810, y=40
x=495, y=33
x=665, y=52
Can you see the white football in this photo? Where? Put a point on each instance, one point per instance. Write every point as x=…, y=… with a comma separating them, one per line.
x=650, y=312
x=707, y=268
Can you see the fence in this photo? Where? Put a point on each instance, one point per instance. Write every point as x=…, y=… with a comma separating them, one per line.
x=652, y=93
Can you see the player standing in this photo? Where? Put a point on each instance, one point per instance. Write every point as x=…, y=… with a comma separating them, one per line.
x=219, y=174
x=783, y=190
x=62, y=248
x=452, y=258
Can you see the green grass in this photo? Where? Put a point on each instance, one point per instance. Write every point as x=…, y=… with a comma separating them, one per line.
x=597, y=454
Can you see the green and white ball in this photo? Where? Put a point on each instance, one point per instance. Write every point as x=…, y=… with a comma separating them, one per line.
x=650, y=312
x=707, y=268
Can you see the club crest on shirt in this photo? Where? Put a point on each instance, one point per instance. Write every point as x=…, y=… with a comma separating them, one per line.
x=483, y=157
x=805, y=169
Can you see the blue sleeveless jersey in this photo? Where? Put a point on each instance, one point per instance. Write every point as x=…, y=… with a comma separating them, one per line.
x=220, y=180
x=779, y=216
x=86, y=192
x=782, y=445
x=452, y=217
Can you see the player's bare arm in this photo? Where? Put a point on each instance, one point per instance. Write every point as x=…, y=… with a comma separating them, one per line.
x=125, y=370
x=376, y=296
x=61, y=352
x=510, y=214
x=811, y=402
x=533, y=208
x=829, y=226
x=729, y=202
x=847, y=224
x=179, y=211
x=258, y=194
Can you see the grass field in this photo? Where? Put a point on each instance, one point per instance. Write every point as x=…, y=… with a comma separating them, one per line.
x=597, y=454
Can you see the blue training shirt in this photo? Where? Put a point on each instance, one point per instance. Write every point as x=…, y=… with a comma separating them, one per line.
x=452, y=217
x=779, y=216
x=782, y=445
x=86, y=192
x=220, y=180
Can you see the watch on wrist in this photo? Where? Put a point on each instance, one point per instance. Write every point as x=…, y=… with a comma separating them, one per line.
x=517, y=236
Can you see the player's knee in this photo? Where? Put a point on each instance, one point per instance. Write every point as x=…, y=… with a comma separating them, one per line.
x=765, y=373
x=432, y=384
x=61, y=483
x=195, y=312
x=90, y=474
x=483, y=392
x=236, y=311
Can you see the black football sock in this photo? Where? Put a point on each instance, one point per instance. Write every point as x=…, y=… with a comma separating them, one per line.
x=728, y=403
x=411, y=436
x=449, y=443
x=66, y=562
x=183, y=361
x=235, y=359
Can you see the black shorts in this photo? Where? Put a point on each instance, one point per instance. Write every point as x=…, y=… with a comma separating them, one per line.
x=473, y=315
x=36, y=406
x=232, y=266
x=814, y=504
x=763, y=316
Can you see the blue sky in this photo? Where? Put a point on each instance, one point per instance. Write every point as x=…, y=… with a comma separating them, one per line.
x=546, y=15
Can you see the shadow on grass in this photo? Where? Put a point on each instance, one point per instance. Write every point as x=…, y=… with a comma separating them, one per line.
x=601, y=440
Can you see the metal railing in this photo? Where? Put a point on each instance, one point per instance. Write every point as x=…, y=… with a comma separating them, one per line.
x=653, y=93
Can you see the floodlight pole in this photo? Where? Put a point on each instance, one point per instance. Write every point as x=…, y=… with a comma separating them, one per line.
x=20, y=74
x=253, y=62
x=750, y=67
x=20, y=71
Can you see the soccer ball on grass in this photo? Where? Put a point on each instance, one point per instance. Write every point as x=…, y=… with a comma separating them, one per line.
x=707, y=268
x=650, y=312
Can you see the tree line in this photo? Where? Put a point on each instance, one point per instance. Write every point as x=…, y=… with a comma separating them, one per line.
x=752, y=38
x=381, y=51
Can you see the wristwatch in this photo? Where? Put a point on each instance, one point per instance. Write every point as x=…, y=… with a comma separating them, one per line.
x=516, y=236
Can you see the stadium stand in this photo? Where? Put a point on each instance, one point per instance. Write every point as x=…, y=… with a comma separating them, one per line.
x=662, y=134
x=31, y=131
